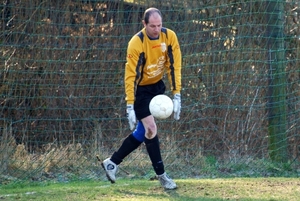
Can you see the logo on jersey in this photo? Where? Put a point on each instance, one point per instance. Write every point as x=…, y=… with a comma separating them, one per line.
x=163, y=47
x=157, y=69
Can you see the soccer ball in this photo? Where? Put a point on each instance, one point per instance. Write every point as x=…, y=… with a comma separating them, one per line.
x=161, y=106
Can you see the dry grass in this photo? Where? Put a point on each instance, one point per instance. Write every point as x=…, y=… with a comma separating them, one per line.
x=17, y=162
x=54, y=162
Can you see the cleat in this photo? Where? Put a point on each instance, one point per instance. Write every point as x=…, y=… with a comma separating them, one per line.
x=110, y=169
x=166, y=182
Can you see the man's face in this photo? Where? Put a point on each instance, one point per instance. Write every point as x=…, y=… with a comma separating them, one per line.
x=153, y=28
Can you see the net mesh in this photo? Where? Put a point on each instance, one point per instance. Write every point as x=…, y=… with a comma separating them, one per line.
x=62, y=91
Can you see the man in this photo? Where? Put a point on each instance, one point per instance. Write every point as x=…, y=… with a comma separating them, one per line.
x=150, y=53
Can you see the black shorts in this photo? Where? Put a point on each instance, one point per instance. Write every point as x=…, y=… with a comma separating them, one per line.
x=143, y=96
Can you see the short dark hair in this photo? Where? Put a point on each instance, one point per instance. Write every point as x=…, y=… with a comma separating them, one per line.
x=149, y=12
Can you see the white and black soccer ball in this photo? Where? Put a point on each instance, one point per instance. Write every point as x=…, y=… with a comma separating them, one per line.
x=161, y=106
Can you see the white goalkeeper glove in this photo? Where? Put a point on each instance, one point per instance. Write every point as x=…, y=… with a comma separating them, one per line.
x=131, y=116
x=177, y=106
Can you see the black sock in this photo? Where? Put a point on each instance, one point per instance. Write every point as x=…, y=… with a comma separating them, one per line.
x=128, y=145
x=152, y=146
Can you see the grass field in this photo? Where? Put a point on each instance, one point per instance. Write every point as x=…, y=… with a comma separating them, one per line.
x=268, y=189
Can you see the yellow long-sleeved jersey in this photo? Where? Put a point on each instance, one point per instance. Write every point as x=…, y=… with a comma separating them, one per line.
x=148, y=60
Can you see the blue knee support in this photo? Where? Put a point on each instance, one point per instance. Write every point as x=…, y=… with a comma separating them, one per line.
x=139, y=132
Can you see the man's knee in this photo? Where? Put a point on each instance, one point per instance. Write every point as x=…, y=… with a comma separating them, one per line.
x=139, y=132
x=151, y=131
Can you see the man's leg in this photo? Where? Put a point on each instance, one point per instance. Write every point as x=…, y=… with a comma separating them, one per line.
x=153, y=149
x=130, y=143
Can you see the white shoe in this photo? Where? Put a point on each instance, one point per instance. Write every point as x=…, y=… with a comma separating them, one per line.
x=110, y=169
x=166, y=181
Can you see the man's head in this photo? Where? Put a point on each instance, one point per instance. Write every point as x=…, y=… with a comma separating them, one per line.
x=152, y=22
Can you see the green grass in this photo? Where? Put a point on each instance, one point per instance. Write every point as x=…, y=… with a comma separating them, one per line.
x=268, y=189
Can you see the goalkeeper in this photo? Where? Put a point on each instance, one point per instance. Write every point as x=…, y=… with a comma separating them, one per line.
x=150, y=53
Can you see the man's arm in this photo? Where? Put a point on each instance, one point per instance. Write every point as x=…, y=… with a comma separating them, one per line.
x=175, y=59
x=131, y=69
